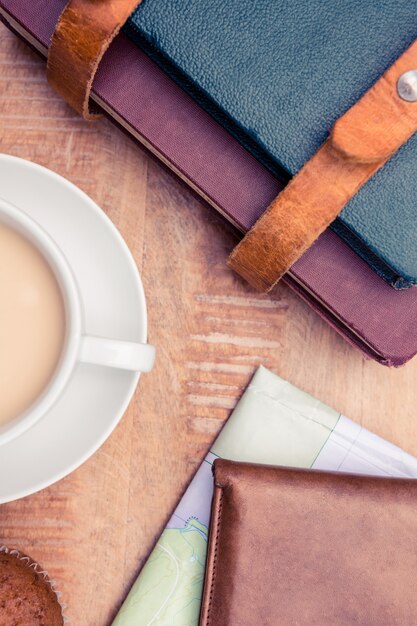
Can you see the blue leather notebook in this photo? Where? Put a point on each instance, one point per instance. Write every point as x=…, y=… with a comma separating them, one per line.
x=278, y=74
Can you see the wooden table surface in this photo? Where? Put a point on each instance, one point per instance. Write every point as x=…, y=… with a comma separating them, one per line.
x=93, y=530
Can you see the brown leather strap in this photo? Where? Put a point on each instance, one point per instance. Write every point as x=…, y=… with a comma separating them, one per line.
x=362, y=140
x=82, y=35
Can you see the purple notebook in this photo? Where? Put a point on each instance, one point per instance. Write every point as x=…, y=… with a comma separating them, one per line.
x=137, y=95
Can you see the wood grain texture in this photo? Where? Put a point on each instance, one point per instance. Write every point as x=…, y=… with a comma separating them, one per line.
x=93, y=530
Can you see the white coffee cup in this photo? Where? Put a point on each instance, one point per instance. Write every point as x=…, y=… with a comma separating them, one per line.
x=78, y=346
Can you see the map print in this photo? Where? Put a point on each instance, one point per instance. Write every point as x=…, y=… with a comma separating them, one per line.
x=169, y=588
x=274, y=423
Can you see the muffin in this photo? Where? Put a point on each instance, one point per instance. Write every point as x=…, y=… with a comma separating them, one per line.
x=26, y=594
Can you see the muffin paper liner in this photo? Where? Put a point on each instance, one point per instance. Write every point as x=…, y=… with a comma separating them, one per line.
x=30, y=563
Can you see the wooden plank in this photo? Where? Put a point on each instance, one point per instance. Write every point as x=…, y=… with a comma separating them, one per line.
x=93, y=530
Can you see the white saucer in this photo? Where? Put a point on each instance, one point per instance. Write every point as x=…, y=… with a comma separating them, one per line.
x=114, y=306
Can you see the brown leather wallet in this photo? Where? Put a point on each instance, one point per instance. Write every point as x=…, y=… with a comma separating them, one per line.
x=310, y=548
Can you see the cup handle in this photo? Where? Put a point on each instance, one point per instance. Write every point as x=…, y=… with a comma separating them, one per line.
x=125, y=355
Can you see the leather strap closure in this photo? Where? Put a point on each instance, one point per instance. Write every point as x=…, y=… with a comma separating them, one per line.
x=361, y=142
x=84, y=32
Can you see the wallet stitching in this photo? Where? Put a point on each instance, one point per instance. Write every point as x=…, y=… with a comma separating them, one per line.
x=215, y=552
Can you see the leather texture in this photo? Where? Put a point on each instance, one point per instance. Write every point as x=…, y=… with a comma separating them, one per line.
x=364, y=310
x=278, y=75
x=82, y=35
x=362, y=140
x=305, y=547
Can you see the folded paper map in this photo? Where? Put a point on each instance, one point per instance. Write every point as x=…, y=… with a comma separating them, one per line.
x=273, y=423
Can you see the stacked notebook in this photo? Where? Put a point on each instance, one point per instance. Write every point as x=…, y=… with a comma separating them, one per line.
x=235, y=166
x=278, y=75
x=277, y=424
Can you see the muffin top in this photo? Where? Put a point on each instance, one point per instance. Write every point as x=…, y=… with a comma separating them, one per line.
x=26, y=595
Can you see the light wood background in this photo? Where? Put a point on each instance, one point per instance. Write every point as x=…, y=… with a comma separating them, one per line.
x=93, y=530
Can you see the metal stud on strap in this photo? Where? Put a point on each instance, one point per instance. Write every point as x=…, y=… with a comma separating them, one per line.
x=407, y=86
x=362, y=140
